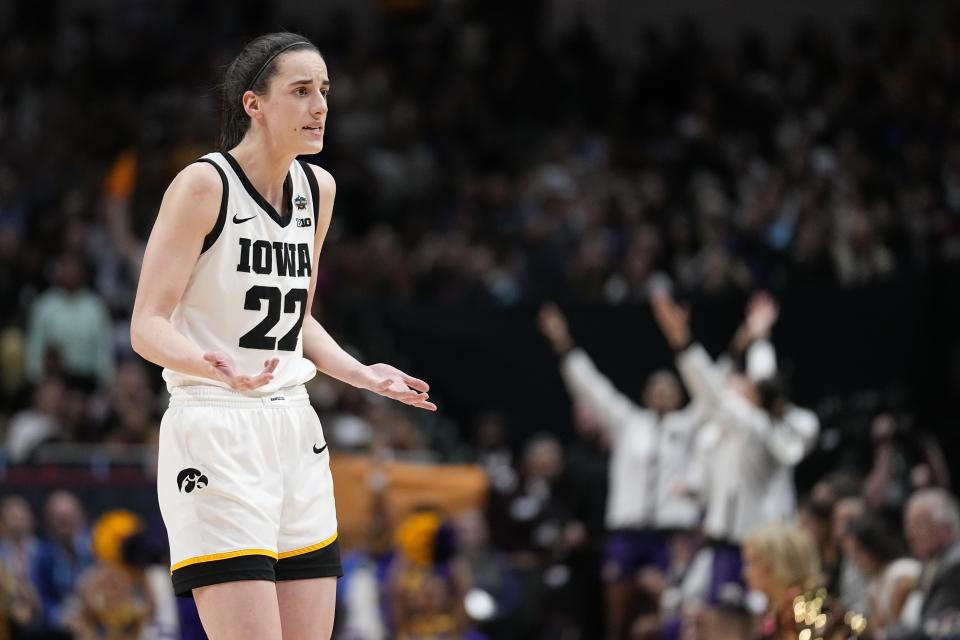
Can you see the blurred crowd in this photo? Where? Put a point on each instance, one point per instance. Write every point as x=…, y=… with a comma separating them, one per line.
x=478, y=164
x=663, y=519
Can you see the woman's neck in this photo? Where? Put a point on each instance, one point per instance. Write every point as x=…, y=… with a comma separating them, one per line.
x=265, y=166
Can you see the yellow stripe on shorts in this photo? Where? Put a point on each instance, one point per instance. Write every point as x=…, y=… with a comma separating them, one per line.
x=224, y=556
x=313, y=547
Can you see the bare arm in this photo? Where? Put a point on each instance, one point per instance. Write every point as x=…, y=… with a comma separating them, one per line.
x=584, y=382
x=187, y=214
x=320, y=347
x=898, y=597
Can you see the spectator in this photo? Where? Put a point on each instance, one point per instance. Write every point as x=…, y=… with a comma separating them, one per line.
x=425, y=599
x=492, y=452
x=847, y=581
x=43, y=422
x=69, y=331
x=528, y=523
x=111, y=598
x=18, y=551
x=651, y=446
x=132, y=401
x=754, y=443
x=880, y=557
x=813, y=516
x=781, y=562
x=62, y=558
x=932, y=525
x=588, y=463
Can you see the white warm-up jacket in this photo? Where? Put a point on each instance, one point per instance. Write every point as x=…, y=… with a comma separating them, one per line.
x=744, y=459
x=649, y=454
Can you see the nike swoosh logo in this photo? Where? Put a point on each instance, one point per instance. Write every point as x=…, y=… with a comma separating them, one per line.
x=239, y=220
x=320, y=450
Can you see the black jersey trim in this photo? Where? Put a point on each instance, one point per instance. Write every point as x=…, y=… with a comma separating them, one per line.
x=314, y=190
x=211, y=237
x=259, y=199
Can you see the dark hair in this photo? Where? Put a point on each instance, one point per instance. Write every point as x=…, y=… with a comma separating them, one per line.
x=251, y=70
x=774, y=394
x=818, y=508
x=877, y=538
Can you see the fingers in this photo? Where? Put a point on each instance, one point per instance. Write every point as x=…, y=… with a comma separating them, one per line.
x=407, y=396
x=420, y=401
x=216, y=359
x=224, y=367
x=248, y=383
x=429, y=406
x=414, y=383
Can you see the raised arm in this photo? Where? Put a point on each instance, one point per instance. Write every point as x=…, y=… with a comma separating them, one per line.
x=788, y=438
x=320, y=347
x=702, y=379
x=187, y=214
x=585, y=383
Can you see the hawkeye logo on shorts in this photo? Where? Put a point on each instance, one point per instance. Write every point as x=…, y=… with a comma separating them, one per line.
x=190, y=479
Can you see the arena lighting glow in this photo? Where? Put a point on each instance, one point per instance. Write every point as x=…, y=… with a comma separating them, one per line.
x=479, y=605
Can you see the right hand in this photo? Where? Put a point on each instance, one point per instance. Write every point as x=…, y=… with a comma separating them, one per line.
x=673, y=319
x=762, y=314
x=553, y=325
x=225, y=370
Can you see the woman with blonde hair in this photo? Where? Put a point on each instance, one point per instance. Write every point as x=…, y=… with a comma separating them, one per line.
x=782, y=563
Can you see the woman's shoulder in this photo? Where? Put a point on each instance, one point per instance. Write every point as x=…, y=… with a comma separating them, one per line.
x=325, y=180
x=901, y=568
x=197, y=179
x=192, y=202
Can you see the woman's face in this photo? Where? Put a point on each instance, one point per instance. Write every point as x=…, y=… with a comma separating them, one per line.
x=863, y=559
x=294, y=109
x=756, y=570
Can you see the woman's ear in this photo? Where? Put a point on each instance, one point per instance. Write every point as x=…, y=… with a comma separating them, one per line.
x=251, y=104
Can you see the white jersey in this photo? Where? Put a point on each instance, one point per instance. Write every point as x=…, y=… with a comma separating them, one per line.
x=745, y=458
x=649, y=455
x=247, y=295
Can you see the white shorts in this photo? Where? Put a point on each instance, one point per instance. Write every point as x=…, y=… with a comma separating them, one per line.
x=245, y=488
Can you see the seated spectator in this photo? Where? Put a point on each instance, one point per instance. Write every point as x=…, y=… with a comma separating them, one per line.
x=43, y=422
x=846, y=580
x=424, y=598
x=781, y=563
x=63, y=556
x=880, y=557
x=133, y=411
x=813, y=516
x=69, y=331
x=103, y=607
x=932, y=526
x=111, y=599
x=18, y=549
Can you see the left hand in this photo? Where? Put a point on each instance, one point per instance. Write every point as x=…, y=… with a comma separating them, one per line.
x=395, y=384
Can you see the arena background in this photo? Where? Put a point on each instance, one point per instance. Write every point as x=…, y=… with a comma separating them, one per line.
x=490, y=157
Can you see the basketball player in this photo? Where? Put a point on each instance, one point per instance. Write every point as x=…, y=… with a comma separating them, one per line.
x=223, y=305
